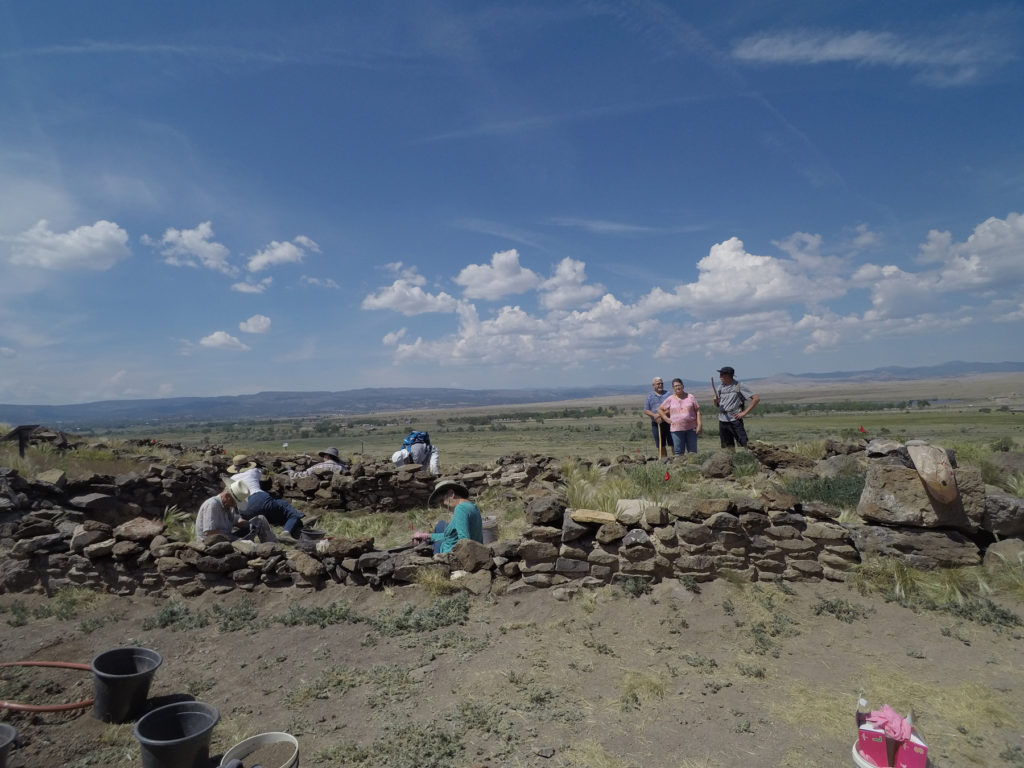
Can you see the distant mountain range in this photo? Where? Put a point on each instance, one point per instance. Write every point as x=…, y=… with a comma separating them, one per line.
x=899, y=373
x=275, y=405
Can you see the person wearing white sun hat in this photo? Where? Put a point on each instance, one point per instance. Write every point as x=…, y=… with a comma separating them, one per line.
x=276, y=511
x=218, y=515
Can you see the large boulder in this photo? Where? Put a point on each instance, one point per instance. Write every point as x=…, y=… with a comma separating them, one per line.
x=469, y=555
x=718, y=465
x=1004, y=514
x=1005, y=553
x=546, y=510
x=17, y=575
x=774, y=457
x=916, y=547
x=139, y=529
x=895, y=495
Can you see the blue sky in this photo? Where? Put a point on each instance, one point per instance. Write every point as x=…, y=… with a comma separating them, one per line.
x=223, y=198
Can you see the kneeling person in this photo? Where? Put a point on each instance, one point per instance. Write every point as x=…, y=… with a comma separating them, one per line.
x=219, y=515
x=466, y=522
x=276, y=511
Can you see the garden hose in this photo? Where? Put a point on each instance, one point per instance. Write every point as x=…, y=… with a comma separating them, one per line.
x=19, y=707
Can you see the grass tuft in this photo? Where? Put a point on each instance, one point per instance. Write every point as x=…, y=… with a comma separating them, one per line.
x=240, y=615
x=960, y=592
x=436, y=581
x=176, y=616
x=841, y=491
x=442, y=612
x=639, y=689
x=843, y=610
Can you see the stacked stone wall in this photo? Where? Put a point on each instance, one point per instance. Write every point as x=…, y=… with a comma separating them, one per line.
x=107, y=533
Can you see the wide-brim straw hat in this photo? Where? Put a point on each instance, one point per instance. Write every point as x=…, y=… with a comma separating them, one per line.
x=241, y=462
x=239, y=491
x=447, y=485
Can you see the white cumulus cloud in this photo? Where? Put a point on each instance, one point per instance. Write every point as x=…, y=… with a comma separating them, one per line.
x=763, y=282
x=409, y=298
x=567, y=288
x=987, y=265
x=222, y=340
x=502, y=277
x=95, y=246
x=247, y=287
x=739, y=302
x=276, y=253
x=193, y=248
x=255, y=324
x=394, y=337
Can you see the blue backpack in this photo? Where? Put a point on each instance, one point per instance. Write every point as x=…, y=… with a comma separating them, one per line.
x=415, y=437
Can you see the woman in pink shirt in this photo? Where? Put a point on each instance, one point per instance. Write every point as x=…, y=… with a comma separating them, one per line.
x=681, y=411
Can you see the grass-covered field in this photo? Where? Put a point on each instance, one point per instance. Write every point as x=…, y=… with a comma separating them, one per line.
x=572, y=430
x=971, y=418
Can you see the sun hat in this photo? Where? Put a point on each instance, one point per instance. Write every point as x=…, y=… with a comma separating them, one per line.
x=332, y=452
x=447, y=485
x=239, y=491
x=240, y=462
x=728, y=370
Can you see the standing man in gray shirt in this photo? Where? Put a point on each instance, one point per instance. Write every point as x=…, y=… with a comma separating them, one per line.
x=734, y=401
x=660, y=429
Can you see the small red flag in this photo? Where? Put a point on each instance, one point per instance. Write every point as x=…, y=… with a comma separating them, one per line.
x=667, y=475
x=863, y=430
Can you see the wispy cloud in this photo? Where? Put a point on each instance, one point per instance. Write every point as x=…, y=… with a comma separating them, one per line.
x=191, y=52
x=247, y=287
x=532, y=123
x=498, y=229
x=603, y=227
x=321, y=282
x=952, y=59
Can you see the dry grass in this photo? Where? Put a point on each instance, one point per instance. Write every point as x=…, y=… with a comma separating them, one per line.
x=590, y=754
x=436, y=581
x=638, y=689
x=230, y=731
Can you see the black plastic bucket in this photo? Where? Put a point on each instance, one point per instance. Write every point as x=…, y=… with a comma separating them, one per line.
x=177, y=735
x=7, y=737
x=121, y=679
x=311, y=534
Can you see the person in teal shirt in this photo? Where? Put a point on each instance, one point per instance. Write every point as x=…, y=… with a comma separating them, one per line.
x=466, y=522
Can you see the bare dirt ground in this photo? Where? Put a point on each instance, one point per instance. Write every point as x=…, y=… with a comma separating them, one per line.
x=711, y=675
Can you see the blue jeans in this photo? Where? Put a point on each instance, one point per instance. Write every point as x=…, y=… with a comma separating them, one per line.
x=277, y=512
x=685, y=441
x=441, y=526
